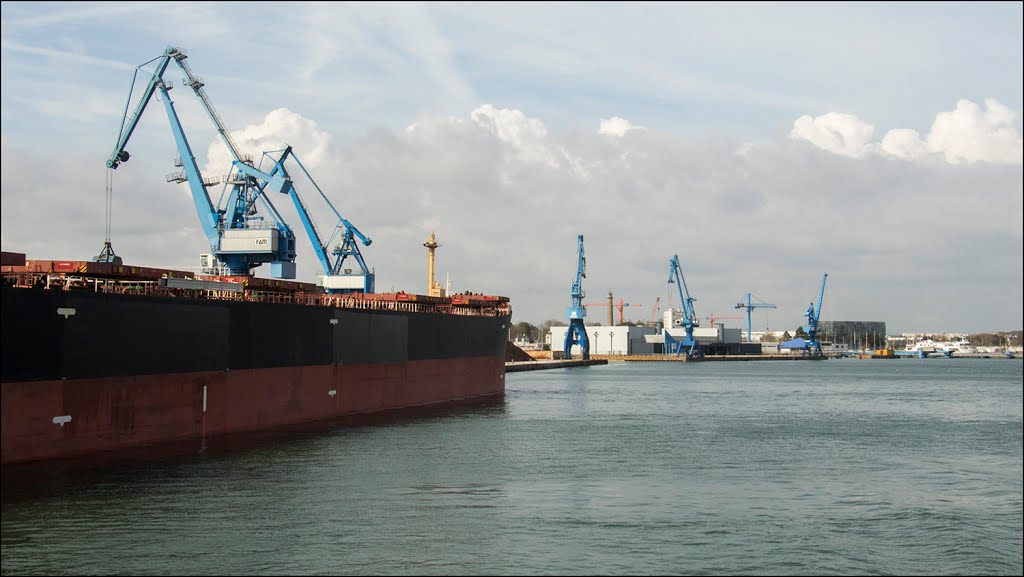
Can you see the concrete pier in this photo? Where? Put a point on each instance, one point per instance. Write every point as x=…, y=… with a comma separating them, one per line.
x=539, y=365
x=710, y=358
x=682, y=358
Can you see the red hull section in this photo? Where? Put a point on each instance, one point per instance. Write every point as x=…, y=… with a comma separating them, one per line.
x=55, y=419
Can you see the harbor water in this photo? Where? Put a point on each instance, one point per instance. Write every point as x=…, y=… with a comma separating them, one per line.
x=838, y=467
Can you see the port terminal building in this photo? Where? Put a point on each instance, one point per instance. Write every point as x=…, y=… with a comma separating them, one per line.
x=870, y=334
x=633, y=340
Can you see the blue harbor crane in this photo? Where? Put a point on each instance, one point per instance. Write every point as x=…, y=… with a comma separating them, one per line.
x=750, y=305
x=336, y=278
x=812, y=314
x=577, y=333
x=689, y=320
x=240, y=237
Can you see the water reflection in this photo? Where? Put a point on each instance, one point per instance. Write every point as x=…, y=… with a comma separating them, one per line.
x=40, y=480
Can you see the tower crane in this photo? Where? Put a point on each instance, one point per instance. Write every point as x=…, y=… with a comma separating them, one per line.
x=577, y=333
x=711, y=319
x=240, y=237
x=336, y=278
x=812, y=315
x=612, y=305
x=689, y=320
x=750, y=305
x=654, y=311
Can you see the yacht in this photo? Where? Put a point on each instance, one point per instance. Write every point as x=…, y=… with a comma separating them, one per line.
x=928, y=348
x=925, y=346
x=958, y=346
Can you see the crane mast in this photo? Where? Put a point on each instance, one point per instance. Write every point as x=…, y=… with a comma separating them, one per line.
x=577, y=333
x=812, y=315
x=689, y=320
x=240, y=237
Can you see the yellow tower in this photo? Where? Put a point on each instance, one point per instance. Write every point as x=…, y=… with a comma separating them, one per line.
x=433, y=289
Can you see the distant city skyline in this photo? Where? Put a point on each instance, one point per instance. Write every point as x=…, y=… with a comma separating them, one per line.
x=763, y=143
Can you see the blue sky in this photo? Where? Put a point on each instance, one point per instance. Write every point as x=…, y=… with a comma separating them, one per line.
x=765, y=143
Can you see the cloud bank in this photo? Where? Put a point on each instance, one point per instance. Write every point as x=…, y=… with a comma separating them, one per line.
x=967, y=134
x=507, y=196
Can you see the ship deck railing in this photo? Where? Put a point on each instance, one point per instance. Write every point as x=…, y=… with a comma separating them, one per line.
x=66, y=282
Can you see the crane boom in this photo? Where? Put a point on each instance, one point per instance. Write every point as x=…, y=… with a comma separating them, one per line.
x=120, y=154
x=689, y=320
x=821, y=295
x=654, y=311
x=196, y=84
x=238, y=237
x=577, y=334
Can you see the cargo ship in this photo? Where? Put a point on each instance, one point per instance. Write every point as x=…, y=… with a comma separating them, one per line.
x=101, y=357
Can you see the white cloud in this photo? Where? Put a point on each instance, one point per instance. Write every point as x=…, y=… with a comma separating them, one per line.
x=904, y=143
x=835, y=132
x=616, y=126
x=967, y=134
x=279, y=128
x=526, y=136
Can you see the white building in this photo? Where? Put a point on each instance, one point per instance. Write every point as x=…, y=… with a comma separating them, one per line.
x=758, y=336
x=717, y=334
x=618, y=340
x=629, y=340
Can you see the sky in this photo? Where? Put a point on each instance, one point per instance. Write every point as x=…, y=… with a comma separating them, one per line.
x=765, y=144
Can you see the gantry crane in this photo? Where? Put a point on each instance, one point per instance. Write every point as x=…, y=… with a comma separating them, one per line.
x=689, y=320
x=577, y=333
x=612, y=305
x=240, y=237
x=812, y=314
x=750, y=305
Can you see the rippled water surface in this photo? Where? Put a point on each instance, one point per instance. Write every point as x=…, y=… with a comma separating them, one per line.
x=902, y=466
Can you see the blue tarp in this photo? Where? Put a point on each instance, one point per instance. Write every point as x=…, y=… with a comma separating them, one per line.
x=798, y=343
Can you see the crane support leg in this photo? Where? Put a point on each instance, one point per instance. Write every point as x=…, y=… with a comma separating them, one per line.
x=577, y=335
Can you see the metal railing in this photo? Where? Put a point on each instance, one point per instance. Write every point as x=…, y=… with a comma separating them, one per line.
x=67, y=282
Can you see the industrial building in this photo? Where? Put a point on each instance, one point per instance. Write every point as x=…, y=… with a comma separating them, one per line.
x=714, y=340
x=630, y=340
x=618, y=340
x=867, y=334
